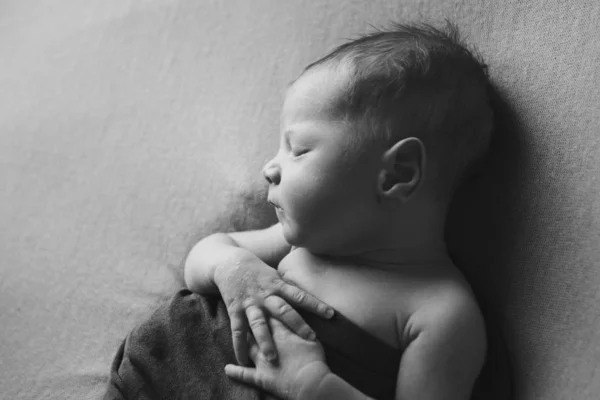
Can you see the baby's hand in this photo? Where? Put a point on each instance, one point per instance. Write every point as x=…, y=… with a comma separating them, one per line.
x=299, y=372
x=254, y=292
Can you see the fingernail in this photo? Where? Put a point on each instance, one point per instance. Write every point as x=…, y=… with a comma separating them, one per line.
x=329, y=313
x=312, y=336
x=270, y=357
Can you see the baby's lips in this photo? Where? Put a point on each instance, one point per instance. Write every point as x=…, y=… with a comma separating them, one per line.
x=273, y=204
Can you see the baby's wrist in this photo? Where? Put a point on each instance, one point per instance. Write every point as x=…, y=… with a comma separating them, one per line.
x=227, y=267
x=220, y=274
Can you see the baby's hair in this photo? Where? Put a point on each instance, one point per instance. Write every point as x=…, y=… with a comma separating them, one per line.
x=421, y=81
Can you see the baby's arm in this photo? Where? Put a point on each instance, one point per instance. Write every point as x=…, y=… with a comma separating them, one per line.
x=446, y=350
x=220, y=250
x=240, y=266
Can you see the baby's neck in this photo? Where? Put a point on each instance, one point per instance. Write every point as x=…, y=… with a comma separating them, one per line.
x=412, y=239
x=427, y=254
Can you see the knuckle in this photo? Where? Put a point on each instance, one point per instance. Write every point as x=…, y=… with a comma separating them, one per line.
x=300, y=296
x=264, y=292
x=247, y=303
x=238, y=334
x=243, y=374
x=253, y=312
x=277, y=283
x=284, y=308
x=258, y=323
x=273, y=301
x=233, y=307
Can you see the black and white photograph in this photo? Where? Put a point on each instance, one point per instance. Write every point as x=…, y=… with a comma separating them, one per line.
x=299, y=199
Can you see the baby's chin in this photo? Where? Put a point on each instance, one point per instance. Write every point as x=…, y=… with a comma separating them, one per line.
x=296, y=235
x=291, y=234
x=313, y=242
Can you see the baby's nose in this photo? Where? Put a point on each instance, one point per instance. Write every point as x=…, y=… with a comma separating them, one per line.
x=272, y=173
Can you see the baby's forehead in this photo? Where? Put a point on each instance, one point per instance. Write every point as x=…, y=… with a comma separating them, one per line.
x=317, y=92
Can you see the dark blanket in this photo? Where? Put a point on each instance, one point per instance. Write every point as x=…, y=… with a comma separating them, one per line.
x=181, y=352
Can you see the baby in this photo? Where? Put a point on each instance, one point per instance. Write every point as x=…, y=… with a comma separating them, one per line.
x=375, y=138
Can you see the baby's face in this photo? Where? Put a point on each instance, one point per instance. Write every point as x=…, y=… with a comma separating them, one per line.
x=323, y=189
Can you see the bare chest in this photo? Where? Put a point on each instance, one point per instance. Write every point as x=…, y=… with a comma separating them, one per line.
x=369, y=298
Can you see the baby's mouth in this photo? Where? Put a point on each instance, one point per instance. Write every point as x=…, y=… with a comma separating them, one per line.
x=274, y=205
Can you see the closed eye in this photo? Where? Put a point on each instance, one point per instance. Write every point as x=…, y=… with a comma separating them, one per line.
x=299, y=152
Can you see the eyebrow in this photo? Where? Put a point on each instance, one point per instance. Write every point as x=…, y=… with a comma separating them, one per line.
x=306, y=136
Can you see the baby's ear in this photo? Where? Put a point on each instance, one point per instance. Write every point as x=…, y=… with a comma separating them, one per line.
x=403, y=169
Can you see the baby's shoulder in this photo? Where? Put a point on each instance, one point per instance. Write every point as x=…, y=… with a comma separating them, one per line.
x=448, y=309
x=446, y=293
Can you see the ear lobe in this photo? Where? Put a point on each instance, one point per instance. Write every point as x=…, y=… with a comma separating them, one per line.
x=404, y=165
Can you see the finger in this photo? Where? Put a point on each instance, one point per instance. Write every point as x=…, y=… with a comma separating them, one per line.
x=306, y=301
x=239, y=330
x=262, y=333
x=276, y=326
x=250, y=376
x=253, y=350
x=282, y=311
x=242, y=374
x=254, y=353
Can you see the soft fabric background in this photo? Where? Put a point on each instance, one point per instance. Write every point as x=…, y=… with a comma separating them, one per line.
x=130, y=128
